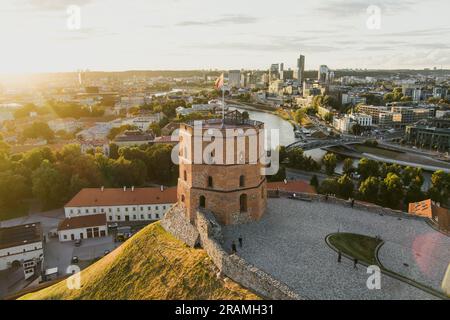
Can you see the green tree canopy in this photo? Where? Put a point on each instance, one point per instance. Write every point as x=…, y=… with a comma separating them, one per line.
x=330, y=161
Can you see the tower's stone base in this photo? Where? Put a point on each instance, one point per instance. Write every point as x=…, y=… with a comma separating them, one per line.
x=175, y=222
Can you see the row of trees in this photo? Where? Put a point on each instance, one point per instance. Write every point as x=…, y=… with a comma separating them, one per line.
x=389, y=185
x=53, y=177
x=61, y=109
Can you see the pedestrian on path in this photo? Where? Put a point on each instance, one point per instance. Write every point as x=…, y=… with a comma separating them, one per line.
x=339, y=257
x=240, y=241
x=355, y=262
x=233, y=248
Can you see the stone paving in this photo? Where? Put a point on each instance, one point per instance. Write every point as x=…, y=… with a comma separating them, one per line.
x=289, y=243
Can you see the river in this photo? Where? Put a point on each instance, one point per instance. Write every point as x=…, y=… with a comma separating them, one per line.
x=273, y=122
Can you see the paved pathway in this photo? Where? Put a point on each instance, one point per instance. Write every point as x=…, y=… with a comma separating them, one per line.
x=289, y=243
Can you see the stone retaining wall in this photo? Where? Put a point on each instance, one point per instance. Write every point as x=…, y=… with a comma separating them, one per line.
x=333, y=200
x=174, y=221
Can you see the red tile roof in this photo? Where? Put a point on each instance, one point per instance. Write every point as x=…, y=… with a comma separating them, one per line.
x=299, y=186
x=87, y=221
x=118, y=197
x=20, y=235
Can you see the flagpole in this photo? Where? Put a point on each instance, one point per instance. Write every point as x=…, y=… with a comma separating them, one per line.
x=223, y=104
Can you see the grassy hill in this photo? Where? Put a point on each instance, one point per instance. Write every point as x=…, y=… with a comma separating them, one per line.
x=151, y=265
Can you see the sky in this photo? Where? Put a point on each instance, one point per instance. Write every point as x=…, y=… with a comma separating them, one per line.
x=116, y=35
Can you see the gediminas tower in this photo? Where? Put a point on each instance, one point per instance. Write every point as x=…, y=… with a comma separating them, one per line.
x=234, y=190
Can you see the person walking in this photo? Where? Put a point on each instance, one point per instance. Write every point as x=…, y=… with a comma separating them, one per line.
x=233, y=248
x=240, y=241
x=339, y=257
x=355, y=262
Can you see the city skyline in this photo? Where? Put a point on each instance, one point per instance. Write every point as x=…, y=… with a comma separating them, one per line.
x=176, y=35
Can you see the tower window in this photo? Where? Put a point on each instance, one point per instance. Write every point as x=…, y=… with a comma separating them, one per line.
x=243, y=203
x=241, y=181
x=210, y=182
x=182, y=198
x=185, y=175
x=202, y=202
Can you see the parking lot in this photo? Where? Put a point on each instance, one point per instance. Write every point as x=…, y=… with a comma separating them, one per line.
x=59, y=254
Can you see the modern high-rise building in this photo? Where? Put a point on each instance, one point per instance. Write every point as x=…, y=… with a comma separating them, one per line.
x=300, y=69
x=323, y=73
x=234, y=78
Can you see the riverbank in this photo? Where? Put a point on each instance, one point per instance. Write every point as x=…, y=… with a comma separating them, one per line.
x=265, y=109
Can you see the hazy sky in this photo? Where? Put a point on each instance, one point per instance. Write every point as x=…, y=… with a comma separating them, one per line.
x=203, y=34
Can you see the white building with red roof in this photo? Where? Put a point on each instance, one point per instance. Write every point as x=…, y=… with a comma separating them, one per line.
x=88, y=213
x=119, y=205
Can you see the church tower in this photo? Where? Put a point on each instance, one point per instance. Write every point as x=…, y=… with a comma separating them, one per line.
x=220, y=169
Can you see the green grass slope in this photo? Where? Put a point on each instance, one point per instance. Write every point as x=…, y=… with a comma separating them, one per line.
x=151, y=265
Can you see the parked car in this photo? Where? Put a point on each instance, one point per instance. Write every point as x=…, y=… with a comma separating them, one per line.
x=106, y=252
x=114, y=225
x=74, y=259
x=78, y=243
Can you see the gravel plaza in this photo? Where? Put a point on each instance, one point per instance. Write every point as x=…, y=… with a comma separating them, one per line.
x=289, y=243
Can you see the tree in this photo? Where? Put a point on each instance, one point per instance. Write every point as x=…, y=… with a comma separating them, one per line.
x=440, y=187
x=368, y=190
x=412, y=175
x=298, y=160
x=357, y=129
x=34, y=158
x=314, y=182
x=13, y=188
x=245, y=115
x=25, y=111
x=328, y=117
x=329, y=186
x=348, y=167
x=391, y=191
x=387, y=168
x=414, y=192
x=48, y=186
x=368, y=168
x=299, y=116
x=156, y=129
x=330, y=162
x=345, y=187
x=113, y=151
x=38, y=130
x=160, y=166
x=4, y=147
x=128, y=173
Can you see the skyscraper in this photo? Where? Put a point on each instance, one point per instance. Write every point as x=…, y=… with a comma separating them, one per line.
x=322, y=74
x=234, y=78
x=300, y=69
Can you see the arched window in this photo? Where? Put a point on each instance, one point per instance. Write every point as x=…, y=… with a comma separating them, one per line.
x=241, y=181
x=210, y=182
x=202, y=202
x=182, y=198
x=185, y=175
x=243, y=203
